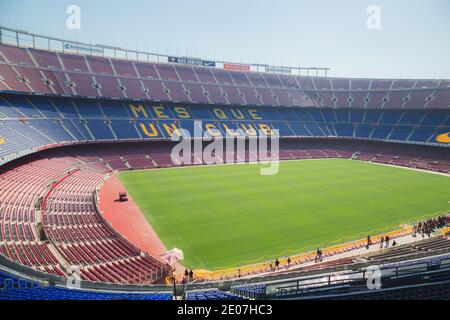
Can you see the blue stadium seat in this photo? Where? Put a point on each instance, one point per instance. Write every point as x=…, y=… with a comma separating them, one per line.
x=434, y=117
x=303, y=115
x=411, y=117
x=356, y=116
x=300, y=129
x=381, y=132
x=69, y=125
x=390, y=116
x=401, y=133
x=22, y=104
x=124, y=129
x=21, y=289
x=7, y=110
x=344, y=130
x=364, y=130
x=272, y=114
x=45, y=106
x=65, y=107
x=114, y=109
x=372, y=116
x=100, y=129
x=422, y=134
x=49, y=120
x=329, y=115
x=314, y=129
x=287, y=114
x=342, y=115
x=212, y=295
x=88, y=108
x=201, y=112
x=51, y=129
x=316, y=115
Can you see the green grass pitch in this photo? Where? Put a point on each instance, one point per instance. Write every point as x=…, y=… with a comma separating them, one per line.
x=230, y=215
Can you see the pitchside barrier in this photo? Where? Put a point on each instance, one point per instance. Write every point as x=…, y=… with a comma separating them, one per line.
x=446, y=231
x=308, y=256
x=344, y=245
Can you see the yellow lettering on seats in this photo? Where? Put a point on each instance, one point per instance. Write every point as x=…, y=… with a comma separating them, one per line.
x=212, y=130
x=237, y=114
x=220, y=113
x=171, y=129
x=254, y=114
x=153, y=133
x=230, y=132
x=266, y=129
x=159, y=111
x=182, y=112
x=248, y=129
x=137, y=110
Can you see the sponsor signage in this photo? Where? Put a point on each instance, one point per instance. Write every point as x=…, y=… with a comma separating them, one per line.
x=82, y=48
x=280, y=70
x=236, y=67
x=192, y=61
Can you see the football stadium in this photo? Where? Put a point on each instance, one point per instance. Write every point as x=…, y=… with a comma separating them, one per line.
x=130, y=175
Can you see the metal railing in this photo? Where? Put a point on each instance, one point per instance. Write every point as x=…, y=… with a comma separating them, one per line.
x=23, y=38
x=356, y=280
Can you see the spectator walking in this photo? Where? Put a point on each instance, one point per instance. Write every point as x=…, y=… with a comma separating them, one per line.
x=369, y=242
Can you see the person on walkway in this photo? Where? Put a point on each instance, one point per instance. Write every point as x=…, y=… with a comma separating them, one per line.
x=369, y=242
x=277, y=264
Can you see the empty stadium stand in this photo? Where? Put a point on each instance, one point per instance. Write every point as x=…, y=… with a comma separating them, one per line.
x=212, y=295
x=426, y=278
x=428, y=245
x=66, y=229
x=48, y=72
x=152, y=100
x=30, y=123
x=16, y=288
x=68, y=121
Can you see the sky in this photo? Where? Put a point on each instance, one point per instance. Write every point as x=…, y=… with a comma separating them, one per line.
x=405, y=39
